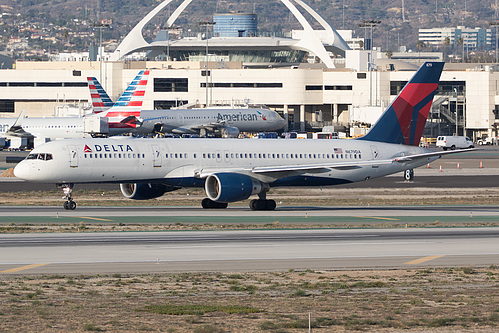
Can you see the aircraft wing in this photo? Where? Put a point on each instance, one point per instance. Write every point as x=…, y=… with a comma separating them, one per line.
x=410, y=158
x=280, y=171
x=209, y=126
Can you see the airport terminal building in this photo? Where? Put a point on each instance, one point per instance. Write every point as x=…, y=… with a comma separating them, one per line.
x=345, y=88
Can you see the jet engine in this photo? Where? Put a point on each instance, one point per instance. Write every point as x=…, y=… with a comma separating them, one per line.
x=231, y=187
x=229, y=132
x=136, y=191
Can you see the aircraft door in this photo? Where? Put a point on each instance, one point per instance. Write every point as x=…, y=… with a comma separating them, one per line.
x=375, y=156
x=73, y=156
x=227, y=156
x=180, y=119
x=156, y=156
x=218, y=154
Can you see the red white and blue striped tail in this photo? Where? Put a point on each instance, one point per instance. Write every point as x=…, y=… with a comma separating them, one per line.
x=100, y=99
x=129, y=105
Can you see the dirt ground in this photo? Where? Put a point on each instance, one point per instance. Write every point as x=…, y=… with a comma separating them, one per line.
x=430, y=300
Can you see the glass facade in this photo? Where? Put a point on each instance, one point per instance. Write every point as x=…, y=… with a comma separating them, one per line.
x=235, y=25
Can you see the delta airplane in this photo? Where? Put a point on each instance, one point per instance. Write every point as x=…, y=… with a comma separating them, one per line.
x=231, y=170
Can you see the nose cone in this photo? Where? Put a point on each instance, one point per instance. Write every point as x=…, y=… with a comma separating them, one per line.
x=22, y=170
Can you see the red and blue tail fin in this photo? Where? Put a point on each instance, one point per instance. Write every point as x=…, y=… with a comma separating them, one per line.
x=100, y=99
x=129, y=105
x=404, y=120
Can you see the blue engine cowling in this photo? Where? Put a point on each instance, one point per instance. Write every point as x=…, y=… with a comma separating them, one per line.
x=231, y=187
x=136, y=191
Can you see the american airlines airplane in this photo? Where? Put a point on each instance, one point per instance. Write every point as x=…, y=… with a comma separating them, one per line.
x=113, y=119
x=231, y=170
x=229, y=121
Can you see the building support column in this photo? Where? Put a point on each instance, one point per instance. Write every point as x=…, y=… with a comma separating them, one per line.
x=286, y=117
x=302, y=118
x=335, y=114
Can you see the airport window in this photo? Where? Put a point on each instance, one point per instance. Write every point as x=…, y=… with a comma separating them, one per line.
x=7, y=105
x=338, y=88
x=75, y=84
x=269, y=85
x=168, y=104
x=313, y=87
x=244, y=85
x=171, y=85
x=361, y=76
x=21, y=84
x=76, y=73
x=49, y=84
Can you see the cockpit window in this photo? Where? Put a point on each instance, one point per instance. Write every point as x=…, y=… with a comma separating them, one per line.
x=42, y=156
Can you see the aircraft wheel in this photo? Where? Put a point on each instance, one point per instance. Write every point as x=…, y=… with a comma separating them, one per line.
x=409, y=174
x=270, y=205
x=259, y=204
x=210, y=204
x=71, y=205
x=66, y=205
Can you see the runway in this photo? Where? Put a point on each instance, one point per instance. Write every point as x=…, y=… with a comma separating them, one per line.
x=254, y=250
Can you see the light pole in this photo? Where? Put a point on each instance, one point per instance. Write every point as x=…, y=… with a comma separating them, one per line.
x=495, y=24
x=370, y=24
x=167, y=29
x=100, y=26
x=206, y=24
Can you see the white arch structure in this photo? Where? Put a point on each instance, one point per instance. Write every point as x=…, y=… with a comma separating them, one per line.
x=309, y=41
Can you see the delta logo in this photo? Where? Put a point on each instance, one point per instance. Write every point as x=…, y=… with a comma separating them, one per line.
x=108, y=148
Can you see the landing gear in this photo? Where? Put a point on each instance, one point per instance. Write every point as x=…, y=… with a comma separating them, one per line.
x=69, y=204
x=210, y=204
x=262, y=204
x=409, y=174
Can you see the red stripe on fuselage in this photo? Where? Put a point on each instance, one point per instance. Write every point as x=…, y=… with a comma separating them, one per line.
x=139, y=93
x=122, y=114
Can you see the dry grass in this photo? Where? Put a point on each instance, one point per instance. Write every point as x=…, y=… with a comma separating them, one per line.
x=443, y=300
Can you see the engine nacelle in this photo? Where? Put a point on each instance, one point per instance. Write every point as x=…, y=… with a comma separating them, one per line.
x=229, y=132
x=231, y=187
x=136, y=191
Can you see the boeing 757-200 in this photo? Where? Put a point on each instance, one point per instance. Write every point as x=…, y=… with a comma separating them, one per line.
x=234, y=169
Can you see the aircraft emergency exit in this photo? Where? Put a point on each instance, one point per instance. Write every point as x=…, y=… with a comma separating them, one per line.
x=232, y=170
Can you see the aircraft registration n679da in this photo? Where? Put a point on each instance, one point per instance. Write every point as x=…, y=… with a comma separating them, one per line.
x=234, y=169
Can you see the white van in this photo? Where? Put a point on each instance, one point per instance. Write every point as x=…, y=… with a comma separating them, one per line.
x=454, y=142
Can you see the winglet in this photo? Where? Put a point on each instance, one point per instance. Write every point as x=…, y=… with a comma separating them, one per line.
x=404, y=120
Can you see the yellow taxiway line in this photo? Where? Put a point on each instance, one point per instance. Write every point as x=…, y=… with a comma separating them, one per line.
x=422, y=260
x=22, y=268
x=378, y=218
x=92, y=218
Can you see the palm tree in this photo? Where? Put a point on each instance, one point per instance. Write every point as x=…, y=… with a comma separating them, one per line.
x=446, y=44
x=460, y=42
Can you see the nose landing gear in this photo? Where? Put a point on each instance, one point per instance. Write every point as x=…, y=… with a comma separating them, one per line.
x=69, y=204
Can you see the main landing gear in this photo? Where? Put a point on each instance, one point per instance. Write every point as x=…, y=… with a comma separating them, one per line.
x=69, y=204
x=262, y=203
x=409, y=174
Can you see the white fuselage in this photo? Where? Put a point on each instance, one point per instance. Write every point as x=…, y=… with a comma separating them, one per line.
x=186, y=162
x=190, y=120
